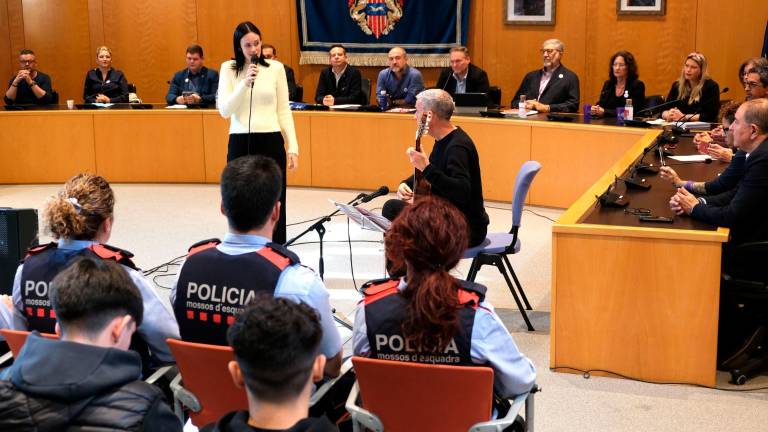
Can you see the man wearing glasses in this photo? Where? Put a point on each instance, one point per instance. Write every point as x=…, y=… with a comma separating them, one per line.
x=756, y=83
x=29, y=86
x=554, y=88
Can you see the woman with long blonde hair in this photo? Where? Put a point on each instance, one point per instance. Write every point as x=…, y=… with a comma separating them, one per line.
x=699, y=94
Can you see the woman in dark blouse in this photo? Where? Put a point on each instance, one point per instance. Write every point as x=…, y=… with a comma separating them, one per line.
x=700, y=94
x=104, y=84
x=622, y=78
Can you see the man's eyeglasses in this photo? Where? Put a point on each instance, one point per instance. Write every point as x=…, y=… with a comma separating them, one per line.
x=26, y=61
x=751, y=84
x=549, y=51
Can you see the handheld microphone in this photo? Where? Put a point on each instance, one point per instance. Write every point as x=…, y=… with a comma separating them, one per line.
x=254, y=61
x=375, y=194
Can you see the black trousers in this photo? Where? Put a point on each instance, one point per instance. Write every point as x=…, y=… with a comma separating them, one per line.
x=271, y=145
x=393, y=207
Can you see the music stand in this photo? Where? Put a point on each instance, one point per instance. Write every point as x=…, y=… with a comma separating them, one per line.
x=366, y=219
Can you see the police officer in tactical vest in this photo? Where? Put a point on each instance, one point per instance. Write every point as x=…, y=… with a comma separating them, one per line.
x=219, y=278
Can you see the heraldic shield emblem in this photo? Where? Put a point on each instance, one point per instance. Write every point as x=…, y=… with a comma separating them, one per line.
x=376, y=17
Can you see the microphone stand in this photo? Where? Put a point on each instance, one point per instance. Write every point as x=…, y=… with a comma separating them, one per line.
x=320, y=228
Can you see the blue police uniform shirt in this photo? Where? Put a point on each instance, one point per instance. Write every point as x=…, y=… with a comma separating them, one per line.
x=406, y=88
x=158, y=324
x=297, y=282
x=491, y=344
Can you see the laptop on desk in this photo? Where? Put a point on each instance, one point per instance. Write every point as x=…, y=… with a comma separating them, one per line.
x=471, y=103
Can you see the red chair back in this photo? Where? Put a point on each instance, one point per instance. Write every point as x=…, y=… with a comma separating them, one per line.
x=204, y=372
x=17, y=338
x=414, y=396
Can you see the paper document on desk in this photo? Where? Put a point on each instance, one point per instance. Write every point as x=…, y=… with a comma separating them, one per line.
x=691, y=158
x=348, y=107
x=515, y=112
x=177, y=106
x=102, y=105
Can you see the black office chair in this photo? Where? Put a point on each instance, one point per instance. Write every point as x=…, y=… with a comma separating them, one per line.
x=494, y=94
x=653, y=101
x=743, y=332
x=365, y=87
x=299, y=93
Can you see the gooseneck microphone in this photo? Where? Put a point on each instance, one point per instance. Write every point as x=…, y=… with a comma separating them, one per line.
x=375, y=194
x=680, y=130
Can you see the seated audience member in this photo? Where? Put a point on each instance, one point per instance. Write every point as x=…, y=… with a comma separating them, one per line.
x=276, y=343
x=729, y=178
x=452, y=168
x=622, y=79
x=756, y=82
x=698, y=93
x=401, y=82
x=554, y=88
x=750, y=64
x=29, y=86
x=88, y=380
x=429, y=311
x=269, y=52
x=462, y=76
x=196, y=84
x=81, y=219
x=340, y=83
x=104, y=84
x=219, y=279
x=742, y=209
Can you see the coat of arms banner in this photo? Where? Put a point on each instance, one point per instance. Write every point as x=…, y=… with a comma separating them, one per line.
x=369, y=28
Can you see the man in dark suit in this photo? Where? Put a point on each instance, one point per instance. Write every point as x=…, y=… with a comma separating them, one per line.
x=340, y=83
x=196, y=84
x=743, y=209
x=462, y=76
x=270, y=52
x=551, y=89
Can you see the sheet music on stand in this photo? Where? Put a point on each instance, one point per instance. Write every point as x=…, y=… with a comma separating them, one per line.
x=363, y=217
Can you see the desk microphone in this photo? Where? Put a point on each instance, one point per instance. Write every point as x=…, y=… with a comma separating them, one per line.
x=678, y=129
x=384, y=190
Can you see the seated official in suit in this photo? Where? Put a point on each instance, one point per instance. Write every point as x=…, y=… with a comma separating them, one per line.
x=756, y=82
x=276, y=343
x=452, y=170
x=340, y=83
x=622, y=84
x=105, y=84
x=401, y=82
x=732, y=174
x=462, y=76
x=220, y=278
x=87, y=380
x=742, y=209
x=269, y=52
x=196, y=84
x=698, y=93
x=554, y=88
x=429, y=312
x=29, y=86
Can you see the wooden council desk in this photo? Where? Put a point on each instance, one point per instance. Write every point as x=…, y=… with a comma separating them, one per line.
x=346, y=150
x=637, y=299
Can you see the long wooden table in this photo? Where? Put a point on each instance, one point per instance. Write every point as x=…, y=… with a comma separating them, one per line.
x=337, y=149
x=636, y=299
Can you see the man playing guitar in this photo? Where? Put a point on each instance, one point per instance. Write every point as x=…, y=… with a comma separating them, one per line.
x=452, y=170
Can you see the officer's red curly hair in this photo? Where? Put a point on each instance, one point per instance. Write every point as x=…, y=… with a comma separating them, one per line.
x=429, y=238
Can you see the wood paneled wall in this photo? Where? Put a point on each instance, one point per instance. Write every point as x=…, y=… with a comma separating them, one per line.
x=148, y=40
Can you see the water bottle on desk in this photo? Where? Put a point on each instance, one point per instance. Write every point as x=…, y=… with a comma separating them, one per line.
x=383, y=99
x=628, y=110
x=521, y=107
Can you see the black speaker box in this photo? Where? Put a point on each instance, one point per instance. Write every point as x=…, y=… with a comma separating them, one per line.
x=18, y=232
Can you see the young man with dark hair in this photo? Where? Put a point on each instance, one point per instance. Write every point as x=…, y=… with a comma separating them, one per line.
x=219, y=278
x=89, y=378
x=277, y=351
x=196, y=84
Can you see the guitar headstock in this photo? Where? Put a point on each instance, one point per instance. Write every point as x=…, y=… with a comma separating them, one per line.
x=423, y=127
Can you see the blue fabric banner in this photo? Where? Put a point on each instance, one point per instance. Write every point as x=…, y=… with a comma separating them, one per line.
x=765, y=41
x=369, y=28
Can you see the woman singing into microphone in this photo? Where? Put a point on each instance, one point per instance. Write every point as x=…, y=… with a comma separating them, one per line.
x=253, y=94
